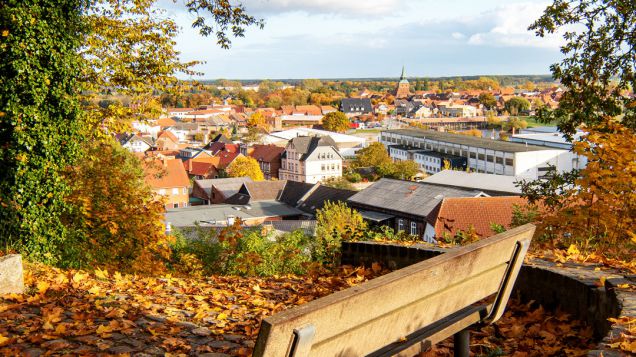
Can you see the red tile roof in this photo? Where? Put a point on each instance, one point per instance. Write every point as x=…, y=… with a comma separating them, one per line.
x=459, y=213
x=200, y=168
x=168, y=135
x=267, y=153
x=163, y=122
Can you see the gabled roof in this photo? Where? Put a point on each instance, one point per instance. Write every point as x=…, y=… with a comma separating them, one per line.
x=305, y=145
x=165, y=122
x=316, y=198
x=257, y=191
x=220, y=138
x=460, y=213
x=227, y=186
x=355, y=105
x=167, y=173
x=225, y=158
x=294, y=191
x=166, y=134
x=267, y=153
x=413, y=198
x=201, y=168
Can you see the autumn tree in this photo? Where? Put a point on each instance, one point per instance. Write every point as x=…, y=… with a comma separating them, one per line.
x=77, y=51
x=335, y=222
x=598, y=65
x=488, y=100
x=245, y=166
x=335, y=121
x=596, y=207
x=373, y=155
x=517, y=105
x=493, y=120
x=403, y=169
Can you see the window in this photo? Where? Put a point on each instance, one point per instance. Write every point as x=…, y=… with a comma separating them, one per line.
x=185, y=191
x=176, y=205
x=481, y=156
x=509, y=162
x=489, y=158
x=413, y=228
x=162, y=191
x=322, y=167
x=473, y=155
x=400, y=224
x=499, y=160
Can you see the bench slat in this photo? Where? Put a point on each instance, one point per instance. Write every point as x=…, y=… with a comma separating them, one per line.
x=367, y=317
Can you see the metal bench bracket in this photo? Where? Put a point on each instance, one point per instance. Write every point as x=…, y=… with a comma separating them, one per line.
x=302, y=342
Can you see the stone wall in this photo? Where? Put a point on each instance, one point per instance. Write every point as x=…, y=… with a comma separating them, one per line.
x=577, y=289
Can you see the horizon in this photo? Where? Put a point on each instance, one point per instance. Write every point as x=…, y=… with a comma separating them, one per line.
x=464, y=77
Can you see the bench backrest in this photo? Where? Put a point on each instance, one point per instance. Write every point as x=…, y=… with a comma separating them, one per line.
x=364, y=318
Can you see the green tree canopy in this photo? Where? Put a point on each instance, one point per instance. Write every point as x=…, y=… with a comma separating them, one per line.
x=488, y=100
x=517, y=105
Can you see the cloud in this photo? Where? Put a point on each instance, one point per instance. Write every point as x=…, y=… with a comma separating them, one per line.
x=341, y=7
x=458, y=35
x=507, y=26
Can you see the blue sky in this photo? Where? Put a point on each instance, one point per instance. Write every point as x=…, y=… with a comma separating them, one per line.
x=374, y=38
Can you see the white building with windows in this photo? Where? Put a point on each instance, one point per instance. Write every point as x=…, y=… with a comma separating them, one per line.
x=487, y=155
x=310, y=159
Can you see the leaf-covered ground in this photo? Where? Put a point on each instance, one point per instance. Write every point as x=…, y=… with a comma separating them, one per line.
x=81, y=313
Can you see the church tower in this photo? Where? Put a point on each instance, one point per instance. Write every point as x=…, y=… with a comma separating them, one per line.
x=402, y=90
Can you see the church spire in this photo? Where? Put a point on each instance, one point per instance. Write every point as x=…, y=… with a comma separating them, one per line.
x=403, y=76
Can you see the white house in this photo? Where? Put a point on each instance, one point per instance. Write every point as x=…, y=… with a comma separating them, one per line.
x=135, y=143
x=310, y=159
x=487, y=155
x=457, y=110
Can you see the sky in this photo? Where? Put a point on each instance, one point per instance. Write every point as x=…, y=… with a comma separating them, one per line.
x=375, y=38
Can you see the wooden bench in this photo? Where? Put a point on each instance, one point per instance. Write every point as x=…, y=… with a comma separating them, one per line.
x=405, y=311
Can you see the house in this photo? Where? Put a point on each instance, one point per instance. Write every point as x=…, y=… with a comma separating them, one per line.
x=457, y=110
x=166, y=140
x=493, y=185
x=456, y=214
x=136, y=143
x=310, y=159
x=268, y=158
x=487, y=155
x=347, y=145
x=168, y=178
x=403, y=205
x=356, y=106
x=212, y=191
x=433, y=162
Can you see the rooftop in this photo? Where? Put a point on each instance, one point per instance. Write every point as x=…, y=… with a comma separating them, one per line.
x=408, y=197
x=218, y=214
x=476, y=181
x=468, y=140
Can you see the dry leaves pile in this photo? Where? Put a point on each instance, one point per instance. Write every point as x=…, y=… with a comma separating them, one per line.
x=526, y=330
x=81, y=313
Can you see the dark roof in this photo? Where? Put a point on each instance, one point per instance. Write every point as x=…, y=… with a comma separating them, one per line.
x=408, y=197
x=485, y=143
x=315, y=199
x=220, y=138
x=355, y=105
x=305, y=145
x=294, y=191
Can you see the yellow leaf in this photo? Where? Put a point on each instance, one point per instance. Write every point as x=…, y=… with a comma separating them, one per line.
x=3, y=340
x=94, y=290
x=573, y=250
x=104, y=329
x=199, y=297
x=256, y=288
x=60, y=329
x=5, y=33
x=101, y=274
x=221, y=316
x=43, y=286
x=623, y=286
x=118, y=276
x=79, y=277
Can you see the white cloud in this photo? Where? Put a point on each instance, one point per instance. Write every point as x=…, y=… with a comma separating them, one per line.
x=507, y=26
x=458, y=35
x=346, y=7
